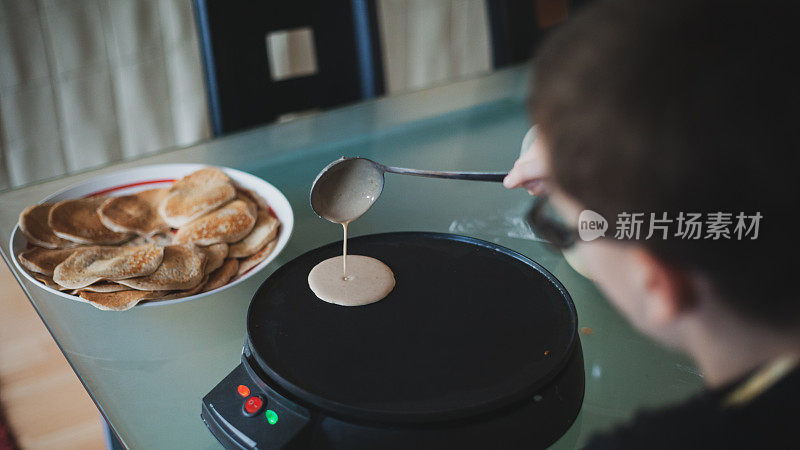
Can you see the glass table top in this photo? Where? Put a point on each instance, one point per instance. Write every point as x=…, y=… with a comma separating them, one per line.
x=148, y=368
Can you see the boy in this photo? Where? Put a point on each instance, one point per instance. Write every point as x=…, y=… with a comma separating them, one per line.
x=663, y=114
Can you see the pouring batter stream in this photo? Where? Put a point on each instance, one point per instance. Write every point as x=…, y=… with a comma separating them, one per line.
x=355, y=279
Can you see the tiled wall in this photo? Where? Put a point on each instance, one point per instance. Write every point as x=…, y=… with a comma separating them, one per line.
x=84, y=82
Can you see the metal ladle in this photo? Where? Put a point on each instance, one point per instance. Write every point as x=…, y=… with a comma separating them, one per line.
x=346, y=188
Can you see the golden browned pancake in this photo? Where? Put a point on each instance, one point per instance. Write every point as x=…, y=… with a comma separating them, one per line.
x=248, y=194
x=252, y=261
x=105, y=286
x=221, y=276
x=163, y=239
x=44, y=260
x=135, y=213
x=116, y=301
x=48, y=281
x=33, y=224
x=137, y=241
x=185, y=293
x=230, y=223
x=195, y=195
x=265, y=230
x=78, y=221
x=182, y=268
x=90, y=264
x=215, y=256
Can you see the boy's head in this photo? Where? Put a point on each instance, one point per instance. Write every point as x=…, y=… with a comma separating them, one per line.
x=678, y=106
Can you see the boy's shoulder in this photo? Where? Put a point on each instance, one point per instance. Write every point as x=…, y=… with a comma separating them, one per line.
x=768, y=421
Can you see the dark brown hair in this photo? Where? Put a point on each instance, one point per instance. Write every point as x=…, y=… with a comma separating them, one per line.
x=684, y=106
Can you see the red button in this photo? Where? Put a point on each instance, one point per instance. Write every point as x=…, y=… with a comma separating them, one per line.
x=243, y=390
x=253, y=404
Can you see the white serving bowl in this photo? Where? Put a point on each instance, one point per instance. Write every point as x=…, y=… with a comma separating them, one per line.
x=129, y=181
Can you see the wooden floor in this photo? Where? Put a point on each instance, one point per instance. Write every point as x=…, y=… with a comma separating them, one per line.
x=44, y=402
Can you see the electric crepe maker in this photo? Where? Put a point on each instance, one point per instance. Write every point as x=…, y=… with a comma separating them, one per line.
x=476, y=347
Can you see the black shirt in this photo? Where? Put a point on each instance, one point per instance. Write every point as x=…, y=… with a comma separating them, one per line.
x=769, y=420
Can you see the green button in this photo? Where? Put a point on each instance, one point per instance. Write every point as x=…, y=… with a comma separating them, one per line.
x=272, y=417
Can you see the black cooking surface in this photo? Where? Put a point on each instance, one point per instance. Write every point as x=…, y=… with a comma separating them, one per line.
x=469, y=326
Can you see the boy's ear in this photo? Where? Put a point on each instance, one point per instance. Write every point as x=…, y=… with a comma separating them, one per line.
x=669, y=292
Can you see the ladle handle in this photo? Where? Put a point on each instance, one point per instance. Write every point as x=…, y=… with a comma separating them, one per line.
x=473, y=176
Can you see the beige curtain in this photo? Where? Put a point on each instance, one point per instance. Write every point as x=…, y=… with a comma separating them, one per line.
x=86, y=82
x=426, y=42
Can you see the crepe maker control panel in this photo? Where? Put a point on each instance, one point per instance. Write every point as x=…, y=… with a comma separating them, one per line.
x=242, y=415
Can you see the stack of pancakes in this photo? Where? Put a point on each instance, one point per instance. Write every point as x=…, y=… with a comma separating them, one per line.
x=159, y=244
